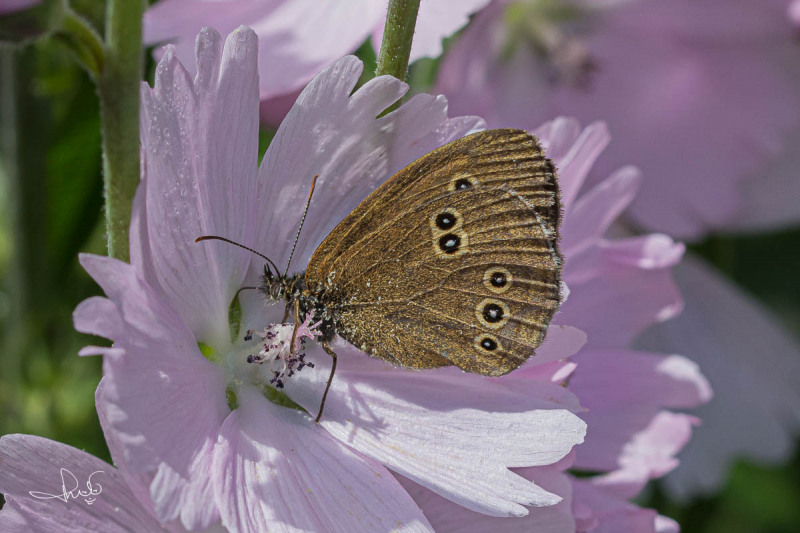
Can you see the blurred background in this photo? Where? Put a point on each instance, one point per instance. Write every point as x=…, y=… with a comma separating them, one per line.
x=51, y=210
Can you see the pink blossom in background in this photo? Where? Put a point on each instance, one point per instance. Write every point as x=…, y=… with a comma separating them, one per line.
x=731, y=84
x=794, y=12
x=10, y=6
x=755, y=411
x=297, y=38
x=699, y=95
x=195, y=419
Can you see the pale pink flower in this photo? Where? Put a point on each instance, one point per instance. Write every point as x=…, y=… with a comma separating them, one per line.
x=33, y=464
x=101, y=497
x=297, y=38
x=687, y=81
x=699, y=95
x=203, y=426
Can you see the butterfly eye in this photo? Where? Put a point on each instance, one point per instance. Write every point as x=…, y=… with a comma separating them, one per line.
x=445, y=220
x=449, y=243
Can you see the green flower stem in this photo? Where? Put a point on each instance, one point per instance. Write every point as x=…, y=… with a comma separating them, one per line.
x=398, y=33
x=118, y=87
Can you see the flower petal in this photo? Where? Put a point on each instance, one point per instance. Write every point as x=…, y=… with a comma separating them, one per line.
x=98, y=316
x=651, y=379
x=200, y=140
x=425, y=426
x=277, y=472
x=754, y=367
x=38, y=465
x=335, y=135
x=648, y=454
x=448, y=516
x=610, y=514
x=137, y=482
x=769, y=193
x=595, y=211
x=161, y=357
x=620, y=287
x=629, y=433
x=574, y=165
x=296, y=38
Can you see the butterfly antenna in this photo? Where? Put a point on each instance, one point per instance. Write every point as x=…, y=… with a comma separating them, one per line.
x=302, y=221
x=223, y=239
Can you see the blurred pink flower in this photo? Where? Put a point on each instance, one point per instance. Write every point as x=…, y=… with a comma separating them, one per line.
x=213, y=439
x=699, y=95
x=10, y=6
x=794, y=12
x=297, y=38
x=719, y=84
x=754, y=367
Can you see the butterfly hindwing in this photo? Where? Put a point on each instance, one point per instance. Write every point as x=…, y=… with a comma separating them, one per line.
x=453, y=260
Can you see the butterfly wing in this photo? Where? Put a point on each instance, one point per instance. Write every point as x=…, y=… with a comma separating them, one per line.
x=453, y=260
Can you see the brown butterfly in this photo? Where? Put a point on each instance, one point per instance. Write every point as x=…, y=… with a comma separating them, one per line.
x=452, y=261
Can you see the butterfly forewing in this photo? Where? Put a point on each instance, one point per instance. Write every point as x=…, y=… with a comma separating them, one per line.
x=453, y=260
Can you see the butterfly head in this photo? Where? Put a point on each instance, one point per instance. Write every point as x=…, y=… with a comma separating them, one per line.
x=276, y=286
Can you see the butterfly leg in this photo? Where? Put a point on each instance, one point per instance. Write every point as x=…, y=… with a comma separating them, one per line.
x=330, y=352
x=296, y=325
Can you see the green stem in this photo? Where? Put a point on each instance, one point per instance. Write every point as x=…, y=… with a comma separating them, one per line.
x=398, y=33
x=118, y=87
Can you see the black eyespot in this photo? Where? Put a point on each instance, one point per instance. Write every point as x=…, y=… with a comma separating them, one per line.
x=445, y=220
x=488, y=344
x=462, y=184
x=492, y=313
x=449, y=243
x=498, y=279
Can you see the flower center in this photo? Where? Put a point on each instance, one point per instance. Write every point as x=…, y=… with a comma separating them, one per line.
x=264, y=359
x=276, y=352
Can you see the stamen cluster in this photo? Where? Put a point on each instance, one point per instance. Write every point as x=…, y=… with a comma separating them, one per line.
x=283, y=359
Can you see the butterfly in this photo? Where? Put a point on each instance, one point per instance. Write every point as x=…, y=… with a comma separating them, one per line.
x=453, y=260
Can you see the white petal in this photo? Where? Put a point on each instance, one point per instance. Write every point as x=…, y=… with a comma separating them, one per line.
x=455, y=433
